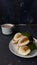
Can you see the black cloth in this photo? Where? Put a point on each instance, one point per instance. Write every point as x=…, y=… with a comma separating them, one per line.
x=18, y=11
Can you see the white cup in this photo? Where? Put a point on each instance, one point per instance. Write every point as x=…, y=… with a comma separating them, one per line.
x=7, y=28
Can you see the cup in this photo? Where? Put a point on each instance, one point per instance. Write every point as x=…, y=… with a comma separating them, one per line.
x=7, y=28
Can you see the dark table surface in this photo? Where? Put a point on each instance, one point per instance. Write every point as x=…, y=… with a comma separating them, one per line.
x=6, y=57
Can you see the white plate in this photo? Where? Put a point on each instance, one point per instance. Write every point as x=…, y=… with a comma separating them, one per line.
x=14, y=50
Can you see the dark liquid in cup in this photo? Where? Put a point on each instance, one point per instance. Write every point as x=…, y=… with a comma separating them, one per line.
x=7, y=26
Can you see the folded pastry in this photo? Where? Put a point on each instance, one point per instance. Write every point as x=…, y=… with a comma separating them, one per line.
x=24, y=50
x=23, y=41
x=16, y=37
x=14, y=41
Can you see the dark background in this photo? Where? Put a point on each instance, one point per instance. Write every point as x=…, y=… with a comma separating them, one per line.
x=18, y=11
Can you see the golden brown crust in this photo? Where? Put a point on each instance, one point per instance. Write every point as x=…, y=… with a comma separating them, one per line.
x=24, y=40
